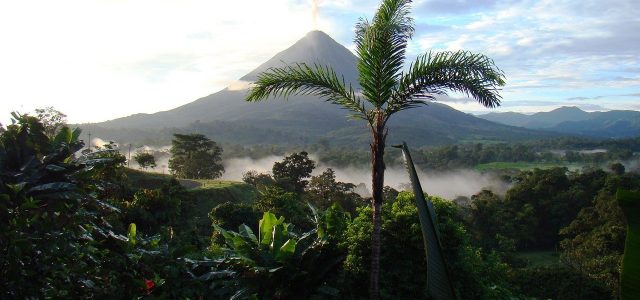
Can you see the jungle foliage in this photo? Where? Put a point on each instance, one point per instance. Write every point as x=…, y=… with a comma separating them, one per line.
x=74, y=224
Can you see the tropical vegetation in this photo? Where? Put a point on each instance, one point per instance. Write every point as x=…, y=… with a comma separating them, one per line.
x=79, y=224
x=385, y=88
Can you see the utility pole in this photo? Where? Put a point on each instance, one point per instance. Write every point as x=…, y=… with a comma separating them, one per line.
x=89, y=143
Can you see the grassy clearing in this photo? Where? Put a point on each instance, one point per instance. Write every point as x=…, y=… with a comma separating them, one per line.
x=539, y=258
x=223, y=190
x=500, y=165
x=216, y=184
x=150, y=180
x=205, y=194
x=146, y=180
x=212, y=193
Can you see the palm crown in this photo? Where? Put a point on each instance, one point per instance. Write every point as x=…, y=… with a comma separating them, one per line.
x=384, y=88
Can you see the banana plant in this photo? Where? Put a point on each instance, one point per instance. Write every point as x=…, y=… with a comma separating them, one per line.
x=630, y=274
x=55, y=237
x=274, y=264
x=273, y=245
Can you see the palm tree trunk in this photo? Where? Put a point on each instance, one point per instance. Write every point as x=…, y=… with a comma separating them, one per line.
x=377, y=166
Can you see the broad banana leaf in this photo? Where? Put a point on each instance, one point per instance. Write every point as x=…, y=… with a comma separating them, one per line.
x=266, y=225
x=630, y=274
x=132, y=234
x=439, y=285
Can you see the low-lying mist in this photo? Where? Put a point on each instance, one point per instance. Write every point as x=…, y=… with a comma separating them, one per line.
x=446, y=184
x=161, y=155
x=449, y=185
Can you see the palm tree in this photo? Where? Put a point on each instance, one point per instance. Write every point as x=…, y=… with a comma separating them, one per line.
x=385, y=89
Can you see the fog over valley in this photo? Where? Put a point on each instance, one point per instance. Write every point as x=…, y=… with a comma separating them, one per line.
x=446, y=184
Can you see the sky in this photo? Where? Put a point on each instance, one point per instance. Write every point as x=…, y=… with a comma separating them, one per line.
x=97, y=60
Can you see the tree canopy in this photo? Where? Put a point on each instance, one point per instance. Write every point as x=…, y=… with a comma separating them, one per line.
x=52, y=120
x=145, y=160
x=294, y=170
x=195, y=156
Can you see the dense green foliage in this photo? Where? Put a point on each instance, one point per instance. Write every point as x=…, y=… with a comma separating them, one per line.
x=539, y=204
x=277, y=263
x=55, y=235
x=630, y=274
x=324, y=191
x=557, y=282
x=85, y=227
x=553, y=209
x=476, y=274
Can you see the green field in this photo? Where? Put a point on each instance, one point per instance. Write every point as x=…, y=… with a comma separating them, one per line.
x=522, y=166
x=205, y=194
x=150, y=180
x=145, y=180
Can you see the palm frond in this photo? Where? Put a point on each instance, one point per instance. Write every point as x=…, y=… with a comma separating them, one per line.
x=474, y=75
x=301, y=79
x=380, y=46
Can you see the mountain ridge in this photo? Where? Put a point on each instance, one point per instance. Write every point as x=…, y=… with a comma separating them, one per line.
x=304, y=118
x=574, y=121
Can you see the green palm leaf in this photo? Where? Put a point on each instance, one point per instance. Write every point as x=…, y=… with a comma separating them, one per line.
x=301, y=79
x=380, y=47
x=630, y=274
x=439, y=284
x=474, y=75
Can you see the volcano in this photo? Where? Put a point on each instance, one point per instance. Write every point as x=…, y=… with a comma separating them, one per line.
x=225, y=116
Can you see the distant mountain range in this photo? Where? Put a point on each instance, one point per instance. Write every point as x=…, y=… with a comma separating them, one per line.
x=225, y=116
x=574, y=121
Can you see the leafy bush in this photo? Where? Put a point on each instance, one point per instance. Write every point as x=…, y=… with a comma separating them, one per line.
x=283, y=203
x=594, y=240
x=54, y=235
x=557, y=282
x=152, y=209
x=232, y=215
x=476, y=275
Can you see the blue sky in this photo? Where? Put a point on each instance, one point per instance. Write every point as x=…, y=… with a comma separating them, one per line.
x=99, y=60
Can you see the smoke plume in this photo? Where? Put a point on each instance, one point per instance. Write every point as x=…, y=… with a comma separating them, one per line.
x=314, y=13
x=98, y=142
